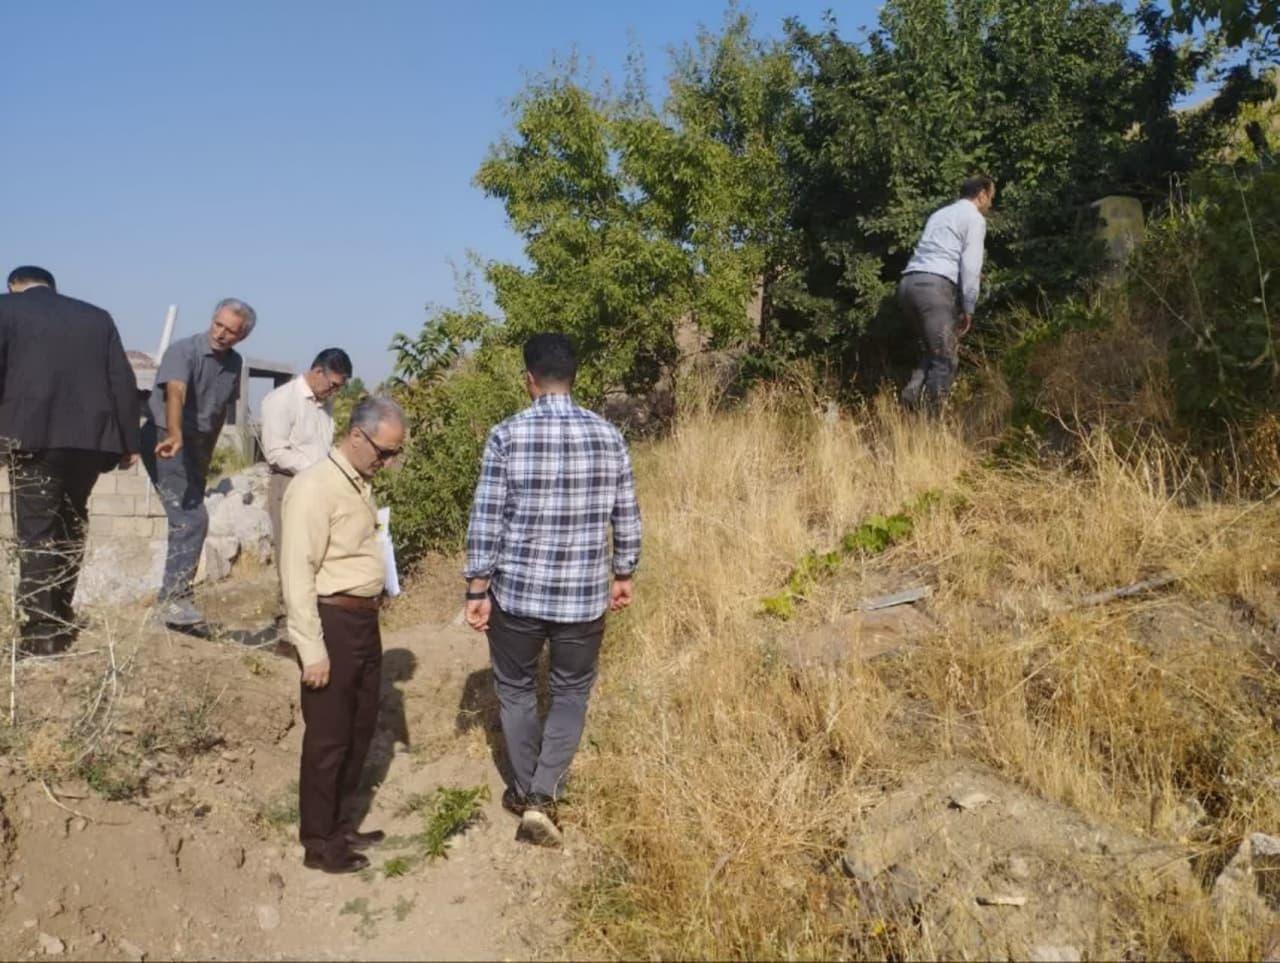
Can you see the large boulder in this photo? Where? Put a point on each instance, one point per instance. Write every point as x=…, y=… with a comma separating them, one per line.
x=236, y=515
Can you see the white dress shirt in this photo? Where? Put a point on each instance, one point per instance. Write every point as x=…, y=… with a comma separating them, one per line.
x=297, y=428
x=951, y=246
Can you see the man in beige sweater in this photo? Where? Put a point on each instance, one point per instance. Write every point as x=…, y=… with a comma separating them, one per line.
x=333, y=573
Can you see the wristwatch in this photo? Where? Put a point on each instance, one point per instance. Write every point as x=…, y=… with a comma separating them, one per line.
x=477, y=596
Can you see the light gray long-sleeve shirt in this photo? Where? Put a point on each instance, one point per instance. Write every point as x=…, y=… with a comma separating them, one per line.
x=951, y=246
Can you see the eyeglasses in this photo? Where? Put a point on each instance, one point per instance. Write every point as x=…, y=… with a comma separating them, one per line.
x=384, y=454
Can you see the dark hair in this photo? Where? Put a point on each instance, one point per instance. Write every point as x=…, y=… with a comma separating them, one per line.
x=335, y=360
x=550, y=357
x=30, y=274
x=975, y=184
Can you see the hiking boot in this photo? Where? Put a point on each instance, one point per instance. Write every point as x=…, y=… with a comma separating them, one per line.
x=538, y=823
x=513, y=801
x=347, y=862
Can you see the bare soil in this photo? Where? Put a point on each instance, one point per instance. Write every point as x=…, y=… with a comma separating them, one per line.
x=197, y=857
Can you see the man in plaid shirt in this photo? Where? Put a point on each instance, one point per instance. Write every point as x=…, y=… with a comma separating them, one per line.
x=555, y=477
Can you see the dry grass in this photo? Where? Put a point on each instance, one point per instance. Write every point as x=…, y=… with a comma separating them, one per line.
x=719, y=787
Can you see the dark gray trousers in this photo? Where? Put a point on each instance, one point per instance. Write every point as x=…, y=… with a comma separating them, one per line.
x=180, y=483
x=540, y=754
x=929, y=303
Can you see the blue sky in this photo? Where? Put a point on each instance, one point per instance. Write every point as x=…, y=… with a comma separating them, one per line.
x=314, y=158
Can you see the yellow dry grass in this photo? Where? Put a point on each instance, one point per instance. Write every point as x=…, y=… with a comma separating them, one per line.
x=718, y=788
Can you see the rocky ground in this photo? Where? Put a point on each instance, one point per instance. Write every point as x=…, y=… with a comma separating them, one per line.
x=148, y=812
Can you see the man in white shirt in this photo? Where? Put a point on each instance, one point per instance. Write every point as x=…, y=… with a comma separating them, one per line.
x=297, y=426
x=939, y=289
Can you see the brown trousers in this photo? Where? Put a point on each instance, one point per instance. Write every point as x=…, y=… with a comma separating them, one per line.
x=340, y=720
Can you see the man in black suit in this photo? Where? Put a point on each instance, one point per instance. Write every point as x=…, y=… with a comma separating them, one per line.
x=68, y=412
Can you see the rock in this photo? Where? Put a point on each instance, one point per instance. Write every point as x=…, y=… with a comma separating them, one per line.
x=236, y=517
x=79, y=824
x=1248, y=884
x=51, y=945
x=235, y=856
x=53, y=908
x=1002, y=901
x=220, y=552
x=96, y=938
x=131, y=950
x=30, y=924
x=1017, y=868
x=1054, y=954
x=268, y=918
x=969, y=800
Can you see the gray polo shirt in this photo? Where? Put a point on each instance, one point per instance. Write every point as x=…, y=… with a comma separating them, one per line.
x=212, y=384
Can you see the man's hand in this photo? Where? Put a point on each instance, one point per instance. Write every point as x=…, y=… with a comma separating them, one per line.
x=316, y=676
x=169, y=447
x=478, y=613
x=621, y=594
x=128, y=460
x=966, y=322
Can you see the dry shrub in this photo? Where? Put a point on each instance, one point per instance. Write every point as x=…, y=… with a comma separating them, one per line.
x=719, y=787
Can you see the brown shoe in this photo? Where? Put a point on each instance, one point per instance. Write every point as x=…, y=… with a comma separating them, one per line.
x=348, y=862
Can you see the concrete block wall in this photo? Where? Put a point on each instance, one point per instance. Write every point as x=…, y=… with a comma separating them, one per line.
x=127, y=531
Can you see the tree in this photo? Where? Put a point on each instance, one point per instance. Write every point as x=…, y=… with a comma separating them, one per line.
x=635, y=218
x=1242, y=22
x=1046, y=95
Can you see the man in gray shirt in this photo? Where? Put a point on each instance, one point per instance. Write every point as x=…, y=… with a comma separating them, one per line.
x=939, y=289
x=199, y=378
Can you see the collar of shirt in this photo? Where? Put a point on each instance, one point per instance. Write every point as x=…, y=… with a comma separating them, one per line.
x=305, y=391
x=206, y=349
x=352, y=475
x=556, y=402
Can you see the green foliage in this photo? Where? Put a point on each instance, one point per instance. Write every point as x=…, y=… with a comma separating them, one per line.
x=451, y=398
x=635, y=218
x=1242, y=21
x=346, y=398
x=872, y=537
x=1048, y=96
x=1207, y=277
x=396, y=867
x=281, y=811
x=452, y=811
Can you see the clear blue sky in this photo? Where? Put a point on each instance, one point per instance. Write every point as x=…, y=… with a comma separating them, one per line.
x=312, y=157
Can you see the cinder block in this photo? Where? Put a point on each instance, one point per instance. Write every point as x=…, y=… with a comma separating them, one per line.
x=131, y=483
x=100, y=526
x=115, y=505
x=6, y=525
x=160, y=527
x=131, y=528
x=4, y=504
x=4, y=480
x=106, y=484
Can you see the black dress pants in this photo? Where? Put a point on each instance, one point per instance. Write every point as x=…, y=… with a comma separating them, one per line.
x=340, y=721
x=50, y=492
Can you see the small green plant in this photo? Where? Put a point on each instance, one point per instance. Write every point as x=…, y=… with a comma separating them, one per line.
x=282, y=811
x=452, y=812
x=403, y=907
x=875, y=535
x=397, y=866
x=368, y=916
x=110, y=777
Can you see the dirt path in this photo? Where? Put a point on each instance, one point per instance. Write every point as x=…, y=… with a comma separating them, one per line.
x=203, y=862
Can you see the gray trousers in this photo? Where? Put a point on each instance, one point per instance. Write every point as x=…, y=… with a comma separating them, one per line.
x=540, y=754
x=277, y=484
x=180, y=483
x=929, y=303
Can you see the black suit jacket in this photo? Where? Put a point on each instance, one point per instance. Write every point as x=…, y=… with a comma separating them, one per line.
x=65, y=381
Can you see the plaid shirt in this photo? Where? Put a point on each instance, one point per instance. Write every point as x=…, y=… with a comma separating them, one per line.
x=554, y=478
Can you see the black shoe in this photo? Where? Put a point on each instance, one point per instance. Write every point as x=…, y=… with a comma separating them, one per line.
x=513, y=801
x=197, y=630
x=358, y=840
x=538, y=824
x=46, y=641
x=348, y=862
